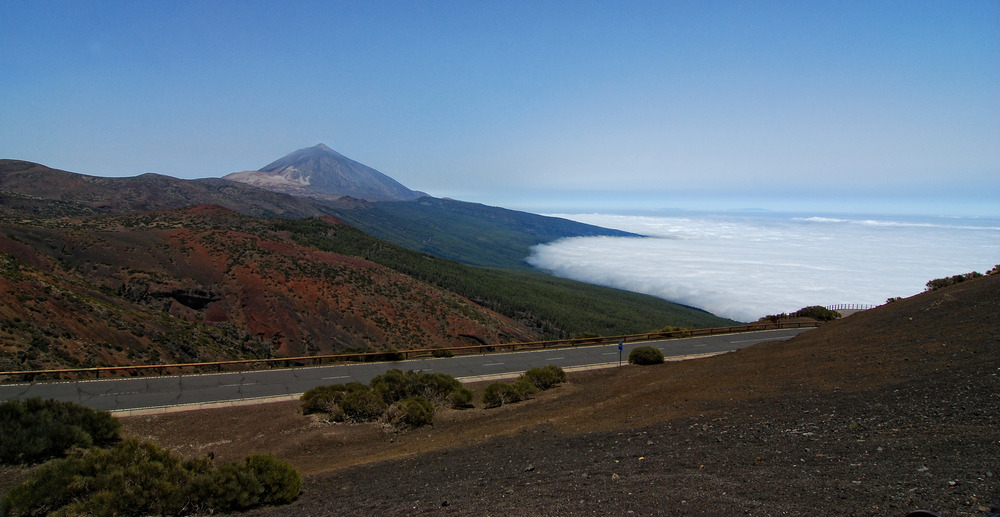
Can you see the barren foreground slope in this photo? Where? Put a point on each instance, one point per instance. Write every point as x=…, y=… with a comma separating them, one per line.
x=881, y=413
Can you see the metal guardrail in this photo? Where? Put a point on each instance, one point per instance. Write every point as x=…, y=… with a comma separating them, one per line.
x=850, y=307
x=316, y=360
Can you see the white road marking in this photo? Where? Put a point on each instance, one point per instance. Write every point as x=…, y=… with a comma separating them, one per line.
x=493, y=364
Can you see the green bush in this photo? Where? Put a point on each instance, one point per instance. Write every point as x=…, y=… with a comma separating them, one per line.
x=528, y=383
x=33, y=430
x=817, y=313
x=498, y=393
x=460, y=397
x=395, y=385
x=260, y=480
x=327, y=398
x=546, y=377
x=359, y=403
x=140, y=478
x=411, y=413
x=645, y=355
x=523, y=388
x=362, y=406
x=938, y=283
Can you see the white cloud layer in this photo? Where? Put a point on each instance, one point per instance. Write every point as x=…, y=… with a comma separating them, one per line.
x=746, y=266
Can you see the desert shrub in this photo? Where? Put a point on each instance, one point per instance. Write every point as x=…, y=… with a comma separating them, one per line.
x=938, y=283
x=359, y=403
x=140, y=478
x=395, y=385
x=546, y=377
x=327, y=398
x=460, y=397
x=438, y=386
x=362, y=405
x=497, y=394
x=816, y=312
x=500, y=393
x=523, y=388
x=260, y=480
x=392, y=386
x=528, y=383
x=411, y=412
x=645, y=355
x=33, y=430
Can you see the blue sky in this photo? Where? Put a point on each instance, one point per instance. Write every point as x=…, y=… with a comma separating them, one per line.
x=819, y=106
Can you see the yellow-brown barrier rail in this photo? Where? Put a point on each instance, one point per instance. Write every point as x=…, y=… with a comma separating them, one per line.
x=314, y=360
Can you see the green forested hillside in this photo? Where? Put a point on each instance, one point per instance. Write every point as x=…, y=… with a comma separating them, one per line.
x=470, y=233
x=557, y=307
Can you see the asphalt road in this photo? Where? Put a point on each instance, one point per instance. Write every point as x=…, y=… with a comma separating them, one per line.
x=159, y=392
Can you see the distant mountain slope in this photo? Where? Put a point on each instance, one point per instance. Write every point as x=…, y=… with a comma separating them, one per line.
x=323, y=173
x=470, y=233
x=465, y=232
x=209, y=266
x=28, y=185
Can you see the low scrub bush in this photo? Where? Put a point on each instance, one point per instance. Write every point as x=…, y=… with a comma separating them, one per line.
x=817, y=313
x=645, y=355
x=362, y=405
x=34, y=430
x=497, y=394
x=327, y=398
x=546, y=377
x=140, y=478
x=529, y=383
x=410, y=413
x=938, y=283
x=381, y=399
x=395, y=385
x=460, y=397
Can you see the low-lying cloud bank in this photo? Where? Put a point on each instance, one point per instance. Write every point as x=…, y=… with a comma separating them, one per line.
x=746, y=266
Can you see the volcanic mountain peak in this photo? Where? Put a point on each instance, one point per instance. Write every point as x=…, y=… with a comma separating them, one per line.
x=323, y=173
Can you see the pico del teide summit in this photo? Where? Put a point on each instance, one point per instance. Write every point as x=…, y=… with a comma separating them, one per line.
x=322, y=173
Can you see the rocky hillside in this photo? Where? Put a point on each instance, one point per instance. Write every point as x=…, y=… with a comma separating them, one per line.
x=205, y=283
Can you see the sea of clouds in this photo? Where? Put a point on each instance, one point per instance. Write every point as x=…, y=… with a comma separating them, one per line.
x=746, y=265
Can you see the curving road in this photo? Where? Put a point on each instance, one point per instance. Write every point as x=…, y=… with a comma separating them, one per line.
x=162, y=392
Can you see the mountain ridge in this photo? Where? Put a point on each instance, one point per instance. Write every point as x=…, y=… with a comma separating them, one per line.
x=470, y=233
x=323, y=173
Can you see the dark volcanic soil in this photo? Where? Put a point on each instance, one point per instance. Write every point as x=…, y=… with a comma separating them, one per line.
x=881, y=413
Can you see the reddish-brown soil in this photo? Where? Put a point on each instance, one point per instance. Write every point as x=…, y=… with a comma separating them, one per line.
x=882, y=413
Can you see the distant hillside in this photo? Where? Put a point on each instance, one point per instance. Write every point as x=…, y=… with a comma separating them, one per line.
x=205, y=283
x=554, y=307
x=470, y=233
x=465, y=232
x=323, y=173
x=47, y=192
